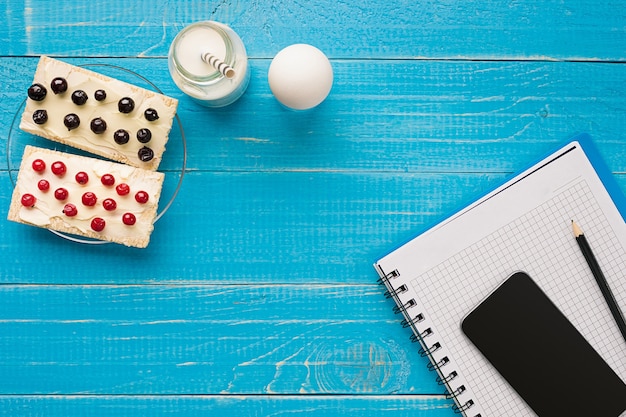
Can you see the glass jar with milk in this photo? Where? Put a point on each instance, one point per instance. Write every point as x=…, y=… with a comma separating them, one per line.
x=208, y=62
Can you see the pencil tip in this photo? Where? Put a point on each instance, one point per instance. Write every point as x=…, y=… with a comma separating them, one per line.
x=576, y=229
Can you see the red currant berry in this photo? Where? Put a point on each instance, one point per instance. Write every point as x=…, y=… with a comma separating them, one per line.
x=129, y=219
x=98, y=224
x=43, y=185
x=109, y=204
x=89, y=199
x=28, y=200
x=70, y=210
x=82, y=178
x=141, y=197
x=108, y=180
x=59, y=168
x=61, y=194
x=39, y=165
x=122, y=189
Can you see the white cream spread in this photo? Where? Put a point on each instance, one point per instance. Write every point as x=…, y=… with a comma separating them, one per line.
x=47, y=208
x=58, y=106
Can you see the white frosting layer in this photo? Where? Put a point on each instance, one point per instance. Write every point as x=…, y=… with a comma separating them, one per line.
x=59, y=105
x=48, y=211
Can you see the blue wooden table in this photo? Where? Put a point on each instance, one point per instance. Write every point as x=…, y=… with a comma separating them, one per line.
x=257, y=295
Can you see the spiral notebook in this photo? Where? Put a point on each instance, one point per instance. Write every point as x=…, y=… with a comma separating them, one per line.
x=525, y=224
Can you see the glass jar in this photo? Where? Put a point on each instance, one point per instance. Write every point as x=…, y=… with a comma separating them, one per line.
x=208, y=62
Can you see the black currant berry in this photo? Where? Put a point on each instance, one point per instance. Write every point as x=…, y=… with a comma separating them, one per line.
x=100, y=95
x=126, y=105
x=98, y=125
x=145, y=154
x=40, y=117
x=144, y=135
x=151, y=115
x=121, y=137
x=58, y=85
x=37, y=92
x=71, y=121
x=79, y=97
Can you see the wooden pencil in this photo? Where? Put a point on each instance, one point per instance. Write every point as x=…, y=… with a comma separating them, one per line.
x=600, y=279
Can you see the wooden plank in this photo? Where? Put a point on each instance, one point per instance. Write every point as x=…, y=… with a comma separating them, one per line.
x=422, y=117
x=243, y=405
x=251, y=227
x=318, y=196
x=531, y=29
x=295, y=227
x=190, y=339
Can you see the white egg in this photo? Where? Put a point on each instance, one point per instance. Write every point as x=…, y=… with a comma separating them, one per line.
x=300, y=76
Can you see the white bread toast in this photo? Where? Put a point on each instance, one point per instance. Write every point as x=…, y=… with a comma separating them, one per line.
x=99, y=118
x=125, y=218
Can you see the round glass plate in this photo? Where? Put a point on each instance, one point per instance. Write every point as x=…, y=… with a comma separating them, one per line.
x=173, y=164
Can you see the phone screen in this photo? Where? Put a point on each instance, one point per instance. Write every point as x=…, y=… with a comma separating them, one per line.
x=541, y=354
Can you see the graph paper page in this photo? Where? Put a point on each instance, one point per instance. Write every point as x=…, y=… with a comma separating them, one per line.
x=524, y=226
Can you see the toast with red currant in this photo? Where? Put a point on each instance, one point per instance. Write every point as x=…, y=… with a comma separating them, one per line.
x=85, y=196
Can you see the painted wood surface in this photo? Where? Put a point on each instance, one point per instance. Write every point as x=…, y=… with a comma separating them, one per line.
x=265, y=193
x=256, y=295
x=426, y=29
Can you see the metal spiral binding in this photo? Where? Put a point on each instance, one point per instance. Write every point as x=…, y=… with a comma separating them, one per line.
x=438, y=365
x=458, y=391
x=450, y=377
x=389, y=276
x=404, y=307
x=422, y=335
x=410, y=323
x=419, y=336
x=461, y=409
x=394, y=293
x=429, y=351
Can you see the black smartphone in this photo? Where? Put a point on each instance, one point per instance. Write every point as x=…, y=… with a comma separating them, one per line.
x=541, y=354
